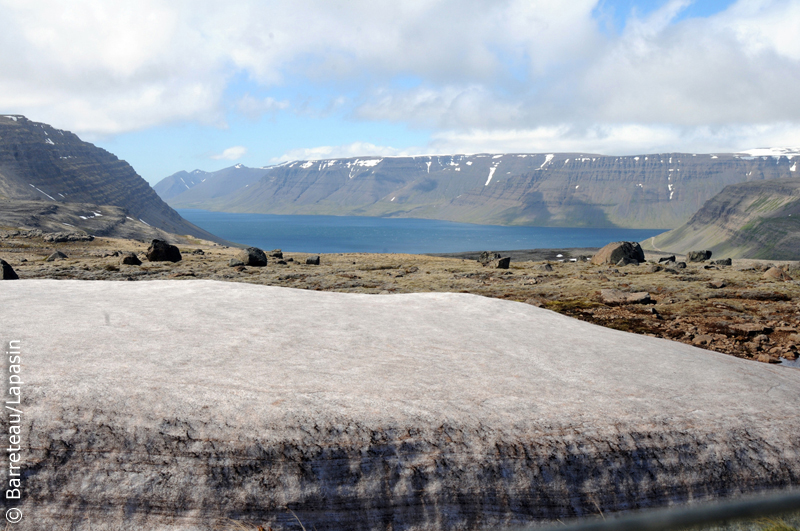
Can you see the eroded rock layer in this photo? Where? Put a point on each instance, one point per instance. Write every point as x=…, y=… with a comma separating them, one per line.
x=192, y=404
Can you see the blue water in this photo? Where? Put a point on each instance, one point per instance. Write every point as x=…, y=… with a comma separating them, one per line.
x=357, y=234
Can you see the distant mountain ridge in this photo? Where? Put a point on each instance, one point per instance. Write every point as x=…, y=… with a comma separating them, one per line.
x=555, y=189
x=51, y=179
x=746, y=220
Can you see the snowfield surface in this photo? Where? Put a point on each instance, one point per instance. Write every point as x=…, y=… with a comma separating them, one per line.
x=178, y=404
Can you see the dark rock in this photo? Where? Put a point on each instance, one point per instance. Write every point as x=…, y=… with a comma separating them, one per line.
x=8, y=272
x=161, y=251
x=616, y=297
x=58, y=255
x=627, y=261
x=680, y=265
x=130, y=259
x=253, y=256
x=698, y=256
x=292, y=260
x=500, y=263
x=666, y=259
x=235, y=262
x=198, y=251
x=487, y=257
x=616, y=251
x=312, y=260
x=723, y=262
x=240, y=268
x=654, y=268
x=276, y=253
x=281, y=262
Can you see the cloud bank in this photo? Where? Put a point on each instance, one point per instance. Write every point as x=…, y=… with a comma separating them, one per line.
x=482, y=75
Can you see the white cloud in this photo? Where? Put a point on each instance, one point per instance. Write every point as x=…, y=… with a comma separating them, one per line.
x=510, y=69
x=232, y=153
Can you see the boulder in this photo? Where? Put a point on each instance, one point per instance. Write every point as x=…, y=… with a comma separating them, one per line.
x=312, y=260
x=235, y=262
x=776, y=273
x=276, y=253
x=614, y=297
x=666, y=259
x=698, y=256
x=616, y=251
x=58, y=255
x=717, y=284
x=487, y=256
x=680, y=265
x=723, y=262
x=161, y=251
x=500, y=263
x=252, y=256
x=130, y=259
x=545, y=267
x=8, y=272
x=654, y=268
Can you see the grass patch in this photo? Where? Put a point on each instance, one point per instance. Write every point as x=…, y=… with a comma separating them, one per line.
x=571, y=305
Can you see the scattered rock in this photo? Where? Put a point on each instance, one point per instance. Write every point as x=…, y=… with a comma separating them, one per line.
x=281, y=262
x=616, y=251
x=235, y=262
x=627, y=261
x=717, y=284
x=615, y=296
x=723, y=262
x=680, y=265
x=702, y=339
x=486, y=257
x=240, y=268
x=161, y=251
x=292, y=260
x=198, y=251
x=312, y=260
x=545, y=267
x=130, y=259
x=8, y=272
x=776, y=273
x=58, y=255
x=666, y=259
x=654, y=268
x=751, y=329
x=59, y=237
x=276, y=253
x=252, y=256
x=500, y=263
x=698, y=256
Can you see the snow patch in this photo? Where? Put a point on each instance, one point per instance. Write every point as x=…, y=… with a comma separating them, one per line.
x=392, y=199
x=547, y=160
x=469, y=163
x=497, y=156
x=636, y=158
x=307, y=165
x=576, y=186
x=429, y=166
x=771, y=152
x=491, y=172
x=143, y=221
x=794, y=167
x=45, y=193
x=50, y=141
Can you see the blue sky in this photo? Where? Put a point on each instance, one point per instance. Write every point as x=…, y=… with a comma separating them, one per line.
x=180, y=85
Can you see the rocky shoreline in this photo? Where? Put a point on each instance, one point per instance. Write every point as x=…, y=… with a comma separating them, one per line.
x=741, y=309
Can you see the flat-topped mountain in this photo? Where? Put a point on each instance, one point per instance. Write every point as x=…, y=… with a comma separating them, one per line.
x=748, y=220
x=49, y=176
x=557, y=189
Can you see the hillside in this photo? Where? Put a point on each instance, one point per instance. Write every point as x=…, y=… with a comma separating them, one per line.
x=199, y=187
x=565, y=189
x=748, y=220
x=51, y=176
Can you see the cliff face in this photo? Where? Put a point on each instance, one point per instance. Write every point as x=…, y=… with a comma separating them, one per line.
x=39, y=163
x=747, y=220
x=565, y=189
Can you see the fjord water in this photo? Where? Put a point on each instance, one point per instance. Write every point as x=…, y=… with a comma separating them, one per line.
x=357, y=234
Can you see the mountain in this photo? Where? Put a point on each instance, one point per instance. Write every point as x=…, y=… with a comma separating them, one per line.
x=51, y=178
x=197, y=188
x=563, y=189
x=749, y=220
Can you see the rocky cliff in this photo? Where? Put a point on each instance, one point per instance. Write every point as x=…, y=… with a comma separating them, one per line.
x=564, y=189
x=748, y=220
x=199, y=187
x=50, y=170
